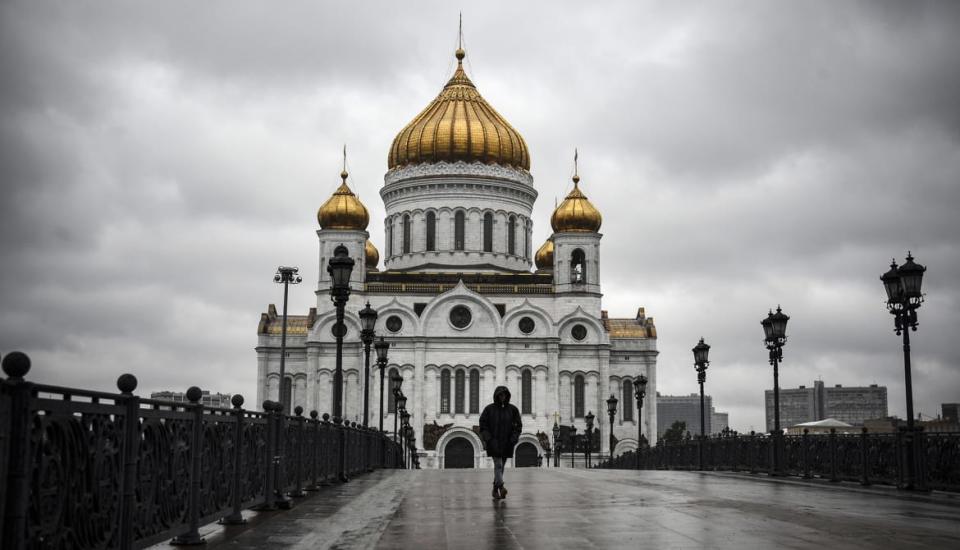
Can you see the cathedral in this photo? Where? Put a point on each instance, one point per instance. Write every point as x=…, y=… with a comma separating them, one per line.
x=460, y=302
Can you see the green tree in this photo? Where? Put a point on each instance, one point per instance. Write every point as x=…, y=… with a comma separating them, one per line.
x=674, y=433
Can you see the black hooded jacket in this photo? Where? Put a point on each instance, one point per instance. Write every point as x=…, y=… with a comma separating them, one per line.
x=500, y=425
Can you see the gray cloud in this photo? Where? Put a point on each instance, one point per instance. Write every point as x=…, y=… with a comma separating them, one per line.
x=160, y=160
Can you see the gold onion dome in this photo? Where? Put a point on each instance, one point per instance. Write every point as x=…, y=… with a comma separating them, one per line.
x=576, y=213
x=343, y=210
x=373, y=255
x=459, y=125
x=544, y=257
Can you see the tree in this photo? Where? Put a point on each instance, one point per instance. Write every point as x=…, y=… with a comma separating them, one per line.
x=674, y=434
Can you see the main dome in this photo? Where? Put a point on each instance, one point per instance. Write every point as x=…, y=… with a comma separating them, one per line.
x=459, y=125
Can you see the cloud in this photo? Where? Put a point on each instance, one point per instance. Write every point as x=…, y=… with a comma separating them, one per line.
x=160, y=160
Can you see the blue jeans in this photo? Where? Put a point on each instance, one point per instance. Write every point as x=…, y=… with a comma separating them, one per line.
x=498, y=471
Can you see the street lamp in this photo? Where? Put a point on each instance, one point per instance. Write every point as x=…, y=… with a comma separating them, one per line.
x=382, y=348
x=368, y=319
x=640, y=391
x=404, y=430
x=397, y=394
x=573, y=445
x=286, y=276
x=589, y=418
x=700, y=353
x=904, y=296
x=556, y=444
x=612, y=412
x=339, y=268
x=775, y=336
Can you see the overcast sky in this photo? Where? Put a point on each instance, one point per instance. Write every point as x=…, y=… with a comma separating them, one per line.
x=158, y=161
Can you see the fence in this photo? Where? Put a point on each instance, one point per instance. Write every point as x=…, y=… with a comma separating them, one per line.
x=867, y=458
x=89, y=469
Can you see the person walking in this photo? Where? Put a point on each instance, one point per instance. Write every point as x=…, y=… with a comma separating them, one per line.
x=500, y=427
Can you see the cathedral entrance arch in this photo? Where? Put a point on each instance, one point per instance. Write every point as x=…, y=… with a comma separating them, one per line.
x=525, y=456
x=458, y=453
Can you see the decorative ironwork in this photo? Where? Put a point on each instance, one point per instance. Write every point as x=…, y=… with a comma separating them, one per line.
x=87, y=469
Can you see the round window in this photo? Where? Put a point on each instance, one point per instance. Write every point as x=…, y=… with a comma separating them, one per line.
x=394, y=323
x=526, y=325
x=460, y=316
x=579, y=332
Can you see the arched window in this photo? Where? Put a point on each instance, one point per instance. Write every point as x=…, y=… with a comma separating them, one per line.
x=627, y=400
x=458, y=387
x=474, y=391
x=578, y=396
x=389, y=238
x=406, y=233
x=526, y=392
x=287, y=396
x=458, y=230
x=431, y=231
x=391, y=400
x=445, y=391
x=488, y=232
x=512, y=236
x=578, y=267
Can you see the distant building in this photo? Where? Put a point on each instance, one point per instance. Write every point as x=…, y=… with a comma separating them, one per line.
x=822, y=427
x=852, y=405
x=950, y=412
x=718, y=421
x=218, y=400
x=686, y=408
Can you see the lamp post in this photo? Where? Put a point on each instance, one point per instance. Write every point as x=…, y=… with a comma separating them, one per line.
x=775, y=336
x=382, y=348
x=573, y=445
x=368, y=319
x=404, y=431
x=586, y=452
x=700, y=362
x=640, y=392
x=904, y=296
x=397, y=394
x=556, y=444
x=286, y=276
x=611, y=412
x=339, y=267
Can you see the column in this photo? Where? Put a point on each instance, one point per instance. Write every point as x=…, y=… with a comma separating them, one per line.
x=417, y=420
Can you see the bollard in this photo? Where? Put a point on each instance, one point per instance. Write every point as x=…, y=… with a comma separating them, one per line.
x=126, y=383
x=192, y=536
x=236, y=516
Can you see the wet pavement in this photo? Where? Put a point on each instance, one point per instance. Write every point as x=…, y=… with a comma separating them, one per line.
x=566, y=508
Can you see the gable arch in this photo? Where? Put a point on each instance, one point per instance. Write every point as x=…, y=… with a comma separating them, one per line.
x=466, y=433
x=544, y=327
x=459, y=293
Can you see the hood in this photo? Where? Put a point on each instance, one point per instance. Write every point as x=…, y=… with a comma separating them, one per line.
x=498, y=391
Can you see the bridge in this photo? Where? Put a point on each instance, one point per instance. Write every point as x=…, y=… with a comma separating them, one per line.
x=88, y=469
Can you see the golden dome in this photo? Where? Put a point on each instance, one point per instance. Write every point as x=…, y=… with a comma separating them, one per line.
x=576, y=213
x=373, y=256
x=544, y=257
x=343, y=210
x=459, y=125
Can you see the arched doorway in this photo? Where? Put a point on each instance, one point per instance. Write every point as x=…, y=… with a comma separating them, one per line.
x=525, y=455
x=458, y=453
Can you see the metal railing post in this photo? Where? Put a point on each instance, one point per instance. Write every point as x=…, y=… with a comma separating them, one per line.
x=834, y=475
x=864, y=457
x=298, y=471
x=16, y=365
x=315, y=451
x=236, y=516
x=269, y=480
x=126, y=383
x=805, y=453
x=192, y=536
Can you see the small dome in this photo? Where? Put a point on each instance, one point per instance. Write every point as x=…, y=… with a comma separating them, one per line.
x=343, y=210
x=544, y=257
x=576, y=213
x=459, y=125
x=373, y=256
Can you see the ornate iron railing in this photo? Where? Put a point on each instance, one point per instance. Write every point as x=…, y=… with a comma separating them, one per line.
x=89, y=469
x=866, y=458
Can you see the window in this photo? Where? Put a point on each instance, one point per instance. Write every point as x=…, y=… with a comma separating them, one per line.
x=431, y=231
x=578, y=396
x=391, y=400
x=488, y=232
x=474, y=391
x=445, y=391
x=287, y=394
x=526, y=392
x=459, y=380
x=406, y=233
x=627, y=400
x=389, y=238
x=458, y=223
x=512, y=236
x=578, y=267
